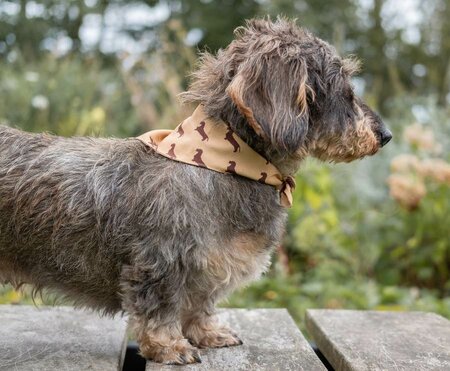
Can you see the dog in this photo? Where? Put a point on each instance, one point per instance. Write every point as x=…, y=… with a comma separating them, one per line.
x=116, y=227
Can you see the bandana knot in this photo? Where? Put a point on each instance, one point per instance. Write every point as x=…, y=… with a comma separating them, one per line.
x=201, y=141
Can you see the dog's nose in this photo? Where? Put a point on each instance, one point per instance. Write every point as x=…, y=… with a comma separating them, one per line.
x=385, y=137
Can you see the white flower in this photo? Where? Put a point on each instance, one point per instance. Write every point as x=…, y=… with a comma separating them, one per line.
x=31, y=76
x=40, y=102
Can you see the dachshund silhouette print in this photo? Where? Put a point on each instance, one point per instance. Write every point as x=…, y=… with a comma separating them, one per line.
x=180, y=130
x=198, y=157
x=201, y=131
x=171, y=152
x=153, y=143
x=263, y=178
x=230, y=138
x=231, y=167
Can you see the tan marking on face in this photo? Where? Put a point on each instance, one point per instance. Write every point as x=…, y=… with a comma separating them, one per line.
x=354, y=143
x=302, y=97
x=236, y=92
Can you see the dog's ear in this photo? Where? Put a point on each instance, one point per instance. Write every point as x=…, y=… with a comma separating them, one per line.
x=273, y=96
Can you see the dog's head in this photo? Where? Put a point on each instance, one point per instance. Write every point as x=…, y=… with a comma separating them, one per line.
x=293, y=90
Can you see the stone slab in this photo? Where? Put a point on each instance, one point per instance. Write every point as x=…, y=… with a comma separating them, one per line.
x=59, y=338
x=372, y=340
x=272, y=341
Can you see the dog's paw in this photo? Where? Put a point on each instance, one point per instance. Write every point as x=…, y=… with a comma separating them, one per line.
x=216, y=338
x=179, y=353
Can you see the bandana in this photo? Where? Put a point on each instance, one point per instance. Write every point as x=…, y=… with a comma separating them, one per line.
x=212, y=144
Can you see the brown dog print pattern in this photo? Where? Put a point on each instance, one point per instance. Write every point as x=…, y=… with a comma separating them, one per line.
x=225, y=151
x=229, y=137
x=201, y=131
x=231, y=167
x=198, y=157
x=153, y=143
x=198, y=160
x=171, y=152
x=180, y=130
x=263, y=177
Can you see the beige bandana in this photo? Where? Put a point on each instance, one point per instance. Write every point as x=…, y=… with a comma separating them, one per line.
x=200, y=141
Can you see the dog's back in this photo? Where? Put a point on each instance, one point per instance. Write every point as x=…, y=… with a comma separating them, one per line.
x=53, y=192
x=18, y=150
x=13, y=139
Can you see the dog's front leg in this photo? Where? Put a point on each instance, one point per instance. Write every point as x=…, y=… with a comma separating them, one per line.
x=153, y=304
x=163, y=343
x=202, y=328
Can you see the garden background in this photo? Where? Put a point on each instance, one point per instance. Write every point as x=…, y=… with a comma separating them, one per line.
x=374, y=234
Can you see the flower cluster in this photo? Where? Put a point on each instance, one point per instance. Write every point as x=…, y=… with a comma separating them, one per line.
x=421, y=138
x=410, y=173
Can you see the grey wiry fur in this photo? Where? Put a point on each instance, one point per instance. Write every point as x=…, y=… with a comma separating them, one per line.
x=114, y=226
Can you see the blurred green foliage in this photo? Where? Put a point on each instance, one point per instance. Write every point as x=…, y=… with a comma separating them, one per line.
x=69, y=96
x=404, y=46
x=373, y=234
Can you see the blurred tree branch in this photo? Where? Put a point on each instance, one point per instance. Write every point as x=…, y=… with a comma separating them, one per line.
x=392, y=65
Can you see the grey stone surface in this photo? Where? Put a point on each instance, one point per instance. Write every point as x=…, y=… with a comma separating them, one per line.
x=370, y=340
x=60, y=339
x=272, y=342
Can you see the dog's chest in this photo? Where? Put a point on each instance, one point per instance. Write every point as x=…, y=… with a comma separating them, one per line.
x=241, y=260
